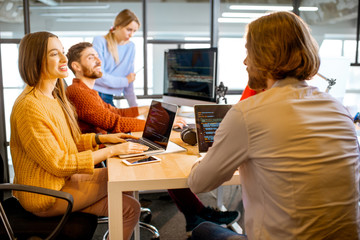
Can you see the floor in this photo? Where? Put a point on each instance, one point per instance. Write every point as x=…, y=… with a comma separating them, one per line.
x=169, y=221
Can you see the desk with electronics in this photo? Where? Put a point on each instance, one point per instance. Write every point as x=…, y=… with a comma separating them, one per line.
x=189, y=79
x=170, y=173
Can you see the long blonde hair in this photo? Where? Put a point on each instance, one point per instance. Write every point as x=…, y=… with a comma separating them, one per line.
x=32, y=59
x=124, y=18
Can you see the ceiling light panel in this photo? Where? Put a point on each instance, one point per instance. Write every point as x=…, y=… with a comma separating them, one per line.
x=242, y=14
x=269, y=8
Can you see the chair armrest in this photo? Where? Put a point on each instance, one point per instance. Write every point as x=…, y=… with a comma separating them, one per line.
x=44, y=191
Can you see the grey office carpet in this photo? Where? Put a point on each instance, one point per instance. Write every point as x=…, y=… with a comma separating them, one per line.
x=168, y=220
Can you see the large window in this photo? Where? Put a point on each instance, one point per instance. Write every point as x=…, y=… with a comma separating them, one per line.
x=11, y=20
x=344, y=50
x=232, y=71
x=173, y=24
x=13, y=85
x=169, y=24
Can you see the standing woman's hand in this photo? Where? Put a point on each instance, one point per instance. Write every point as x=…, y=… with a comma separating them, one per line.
x=131, y=77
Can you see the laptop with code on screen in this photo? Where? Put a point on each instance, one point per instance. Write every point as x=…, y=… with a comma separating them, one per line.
x=158, y=126
x=208, y=118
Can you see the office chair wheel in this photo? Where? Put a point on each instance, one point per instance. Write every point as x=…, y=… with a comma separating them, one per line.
x=147, y=218
x=104, y=220
x=106, y=235
x=152, y=229
x=145, y=215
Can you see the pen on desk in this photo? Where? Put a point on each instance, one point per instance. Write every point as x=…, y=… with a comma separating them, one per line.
x=139, y=70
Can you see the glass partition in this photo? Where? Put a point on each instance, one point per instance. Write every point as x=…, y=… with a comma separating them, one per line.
x=178, y=20
x=12, y=87
x=232, y=71
x=12, y=82
x=156, y=66
x=88, y=18
x=12, y=20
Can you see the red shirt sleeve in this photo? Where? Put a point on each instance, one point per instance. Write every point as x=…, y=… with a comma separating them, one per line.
x=247, y=93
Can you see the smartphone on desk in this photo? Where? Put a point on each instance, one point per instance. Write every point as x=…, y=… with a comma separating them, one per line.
x=141, y=160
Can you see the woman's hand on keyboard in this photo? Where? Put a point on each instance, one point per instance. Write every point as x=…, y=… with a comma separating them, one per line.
x=115, y=138
x=127, y=148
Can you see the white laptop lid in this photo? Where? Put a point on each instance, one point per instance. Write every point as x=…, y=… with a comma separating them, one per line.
x=208, y=118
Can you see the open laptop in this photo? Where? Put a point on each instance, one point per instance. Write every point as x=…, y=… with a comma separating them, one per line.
x=208, y=118
x=157, y=129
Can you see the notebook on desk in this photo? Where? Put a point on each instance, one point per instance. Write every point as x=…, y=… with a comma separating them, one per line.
x=158, y=126
x=207, y=119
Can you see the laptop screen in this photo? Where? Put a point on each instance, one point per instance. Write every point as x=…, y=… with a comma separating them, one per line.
x=208, y=118
x=159, y=122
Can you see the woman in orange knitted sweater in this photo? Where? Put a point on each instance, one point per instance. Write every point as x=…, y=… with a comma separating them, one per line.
x=47, y=147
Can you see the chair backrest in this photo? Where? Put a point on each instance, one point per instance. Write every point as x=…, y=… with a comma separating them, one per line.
x=16, y=221
x=2, y=180
x=23, y=224
x=4, y=177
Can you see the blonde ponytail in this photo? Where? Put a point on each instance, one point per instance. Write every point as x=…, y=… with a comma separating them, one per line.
x=124, y=18
x=112, y=45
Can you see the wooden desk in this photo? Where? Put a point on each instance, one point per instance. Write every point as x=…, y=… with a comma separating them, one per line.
x=172, y=172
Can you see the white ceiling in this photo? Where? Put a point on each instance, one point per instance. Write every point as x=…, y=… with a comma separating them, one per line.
x=165, y=18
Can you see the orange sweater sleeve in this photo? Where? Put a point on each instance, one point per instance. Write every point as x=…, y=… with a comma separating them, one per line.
x=92, y=110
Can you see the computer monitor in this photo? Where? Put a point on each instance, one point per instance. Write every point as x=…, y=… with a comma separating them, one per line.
x=190, y=76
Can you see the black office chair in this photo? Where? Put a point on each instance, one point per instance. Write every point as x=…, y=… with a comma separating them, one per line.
x=17, y=223
x=143, y=225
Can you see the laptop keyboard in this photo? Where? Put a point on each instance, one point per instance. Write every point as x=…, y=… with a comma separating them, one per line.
x=140, y=141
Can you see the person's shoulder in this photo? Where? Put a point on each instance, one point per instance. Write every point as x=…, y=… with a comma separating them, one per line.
x=72, y=89
x=76, y=84
x=28, y=96
x=251, y=103
x=130, y=45
x=77, y=89
x=99, y=40
x=27, y=103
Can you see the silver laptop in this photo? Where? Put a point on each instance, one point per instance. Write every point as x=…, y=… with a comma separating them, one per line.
x=208, y=118
x=157, y=129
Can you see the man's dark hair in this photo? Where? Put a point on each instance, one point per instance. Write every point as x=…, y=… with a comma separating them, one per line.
x=74, y=53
